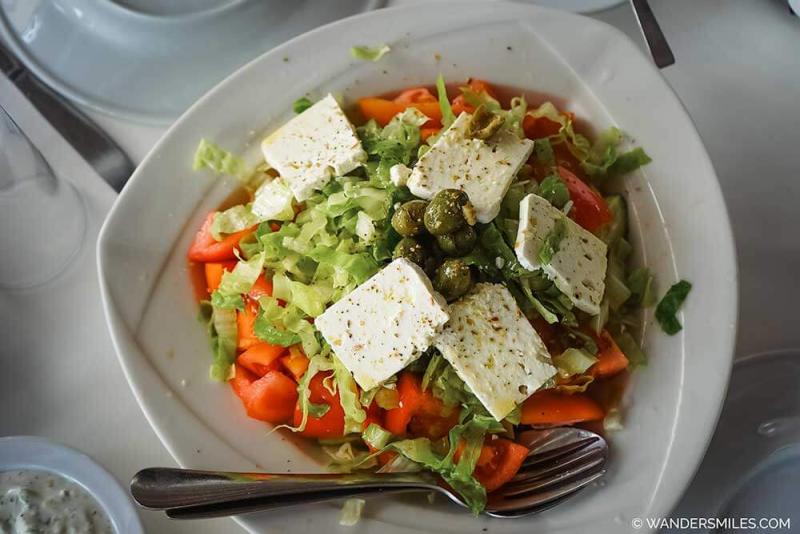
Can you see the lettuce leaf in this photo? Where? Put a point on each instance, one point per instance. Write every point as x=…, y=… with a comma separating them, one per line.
x=351, y=512
x=214, y=158
x=376, y=436
x=237, y=282
x=273, y=201
x=554, y=190
x=573, y=361
x=223, y=332
x=444, y=102
x=301, y=104
x=667, y=309
x=552, y=241
x=354, y=414
x=370, y=53
x=234, y=219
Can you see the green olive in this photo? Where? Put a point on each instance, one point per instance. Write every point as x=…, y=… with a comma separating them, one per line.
x=412, y=250
x=459, y=243
x=483, y=124
x=453, y=279
x=408, y=218
x=449, y=210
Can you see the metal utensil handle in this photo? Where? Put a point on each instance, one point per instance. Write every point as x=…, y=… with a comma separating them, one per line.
x=243, y=506
x=166, y=488
x=656, y=42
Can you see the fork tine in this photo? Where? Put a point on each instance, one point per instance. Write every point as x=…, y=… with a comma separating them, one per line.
x=541, y=470
x=526, y=485
x=536, y=458
x=500, y=506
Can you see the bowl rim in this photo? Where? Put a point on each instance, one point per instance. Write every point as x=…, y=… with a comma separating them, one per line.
x=41, y=454
x=704, y=421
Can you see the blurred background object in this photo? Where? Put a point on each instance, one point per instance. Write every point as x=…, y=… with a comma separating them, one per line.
x=148, y=60
x=43, y=218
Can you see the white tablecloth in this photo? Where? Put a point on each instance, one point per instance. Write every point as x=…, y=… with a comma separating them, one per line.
x=738, y=73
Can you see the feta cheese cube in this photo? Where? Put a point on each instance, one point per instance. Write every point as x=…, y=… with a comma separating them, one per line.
x=313, y=147
x=398, y=174
x=385, y=323
x=273, y=201
x=482, y=169
x=494, y=349
x=365, y=228
x=578, y=268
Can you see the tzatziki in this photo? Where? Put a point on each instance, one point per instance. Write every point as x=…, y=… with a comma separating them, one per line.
x=34, y=501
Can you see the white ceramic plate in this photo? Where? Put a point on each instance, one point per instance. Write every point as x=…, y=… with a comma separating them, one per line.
x=579, y=6
x=679, y=225
x=30, y=452
x=149, y=60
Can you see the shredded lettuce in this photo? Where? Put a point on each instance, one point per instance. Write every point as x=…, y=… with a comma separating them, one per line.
x=667, y=309
x=554, y=190
x=444, y=102
x=573, y=361
x=552, y=241
x=311, y=298
x=629, y=162
x=640, y=284
x=395, y=143
x=234, y=219
x=223, y=331
x=630, y=348
x=212, y=157
x=301, y=104
x=237, y=282
x=370, y=53
x=274, y=201
x=457, y=474
x=351, y=512
x=544, y=151
x=376, y=436
x=354, y=414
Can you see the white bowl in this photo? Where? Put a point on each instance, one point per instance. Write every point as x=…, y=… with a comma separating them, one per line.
x=679, y=225
x=39, y=454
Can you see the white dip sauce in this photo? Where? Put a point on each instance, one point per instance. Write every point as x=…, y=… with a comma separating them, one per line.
x=43, y=502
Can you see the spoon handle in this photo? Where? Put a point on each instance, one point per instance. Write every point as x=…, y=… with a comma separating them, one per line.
x=161, y=488
x=659, y=48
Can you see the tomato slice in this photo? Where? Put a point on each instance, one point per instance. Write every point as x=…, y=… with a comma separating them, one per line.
x=331, y=424
x=420, y=413
x=205, y=248
x=262, y=287
x=498, y=466
x=261, y=358
x=414, y=95
x=271, y=398
x=214, y=272
x=589, y=209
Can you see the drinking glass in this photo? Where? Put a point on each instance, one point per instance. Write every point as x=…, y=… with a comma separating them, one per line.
x=42, y=218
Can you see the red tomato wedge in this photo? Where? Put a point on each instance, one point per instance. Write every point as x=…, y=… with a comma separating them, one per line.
x=330, y=425
x=261, y=358
x=589, y=209
x=548, y=407
x=271, y=398
x=205, y=248
x=610, y=358
x=214, y=272
x=500, y=464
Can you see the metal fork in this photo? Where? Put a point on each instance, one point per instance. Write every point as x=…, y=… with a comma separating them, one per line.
x=561, y=461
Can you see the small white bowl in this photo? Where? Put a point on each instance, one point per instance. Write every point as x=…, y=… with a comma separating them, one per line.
x=30, y=452
x=679, y=227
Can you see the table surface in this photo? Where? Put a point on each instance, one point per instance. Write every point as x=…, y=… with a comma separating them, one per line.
x=737, y=73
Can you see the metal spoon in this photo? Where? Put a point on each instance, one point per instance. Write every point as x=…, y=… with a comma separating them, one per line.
x=656, y=42
x=562, y=461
